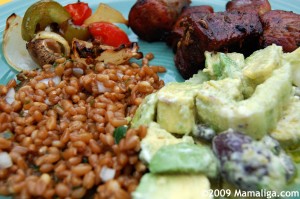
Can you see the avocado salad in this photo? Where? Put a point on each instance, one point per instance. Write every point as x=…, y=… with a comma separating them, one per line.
x=233, y=126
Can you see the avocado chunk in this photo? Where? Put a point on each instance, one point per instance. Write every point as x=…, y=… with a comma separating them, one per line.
x=287, y=130
x=176, y=107
x=146, y=111
x=221, y=106
x=157, y=137
x=260, y=65
x=184, y=158
x=224, y=65
x=293, y=58
x=198, y=78
x=154, y=186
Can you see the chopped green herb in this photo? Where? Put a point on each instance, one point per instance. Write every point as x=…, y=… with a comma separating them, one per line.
x=55, y=64
x=92, y=102
x=21, y=113
x=7, y=135
x=76, y=187
x=34, y=167
x=127, y=80
x=57, y=106
x=119, y=133
x=56, y=197
x=85, y=159
x=55, y=179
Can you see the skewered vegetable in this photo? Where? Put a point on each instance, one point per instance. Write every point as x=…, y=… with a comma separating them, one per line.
x=41, y=14
x=14, y=47
x=108, y=34
x=79, y=12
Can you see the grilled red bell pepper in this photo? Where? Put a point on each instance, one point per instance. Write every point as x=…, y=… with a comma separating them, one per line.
x=108, y=34
x=79, y=12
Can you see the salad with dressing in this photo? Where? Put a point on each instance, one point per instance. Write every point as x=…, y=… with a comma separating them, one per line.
x=234, y=126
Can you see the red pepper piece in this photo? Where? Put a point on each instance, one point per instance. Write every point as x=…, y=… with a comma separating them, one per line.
x=108, y=34
x=79, y=12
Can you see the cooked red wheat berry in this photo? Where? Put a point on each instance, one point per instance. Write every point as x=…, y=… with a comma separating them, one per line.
x=62, y=127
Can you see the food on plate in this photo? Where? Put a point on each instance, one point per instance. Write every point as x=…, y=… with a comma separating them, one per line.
x=88, y=53
x=255, y=6
x=240, y=107
x=252, y=165
x=272, y=27
x=177, y=31
x=63, y=129
x=41, y=14
x=14, y=47
x=108, y=34
x=293, y=59
x=281, y=28
x=146, y=113
x=58, y=129
x=220, y=31
x=177, y=97
x=156, y=138
x=256, y=113
x=185, y=158
x=287, y=129
x=79, y=12
x=48, y=29
x=257, y=68
x=244, y=27
x=173, y=186
x=255, y=116
x=238, y=110
x=70, y=31
x=106, y=13
x=152, y=19
x=46, y=47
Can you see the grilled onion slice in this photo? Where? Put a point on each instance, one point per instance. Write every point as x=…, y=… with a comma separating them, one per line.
x=14, y=47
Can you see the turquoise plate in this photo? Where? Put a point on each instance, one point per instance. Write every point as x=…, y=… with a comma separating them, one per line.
x=163, y=54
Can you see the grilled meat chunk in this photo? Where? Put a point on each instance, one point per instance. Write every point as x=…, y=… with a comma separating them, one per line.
x=178, y=30
x=250, y=6
x=151, y=19
x=281, y=28
x=219, y=31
